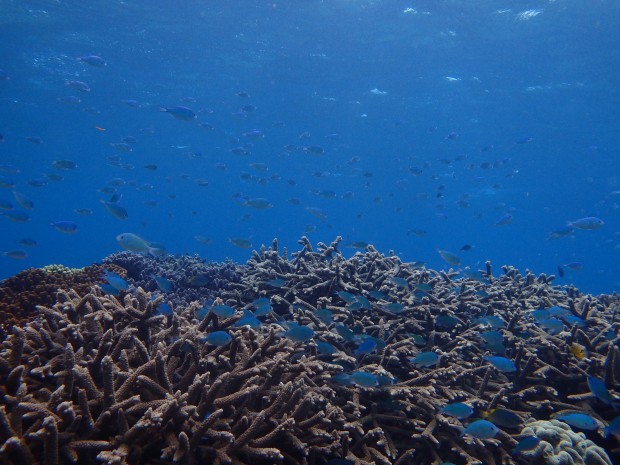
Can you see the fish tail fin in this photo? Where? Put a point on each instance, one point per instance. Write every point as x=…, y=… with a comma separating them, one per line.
x=157, y=252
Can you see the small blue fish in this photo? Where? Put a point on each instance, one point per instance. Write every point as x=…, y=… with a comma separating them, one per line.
x=28, y=242
x=385, y=380
x=613, y=427
x=481, y=429
x=502, y=363
x=261, y=306
x=65, y=227
x=425, y=359
x=574, y=320
x=588, y=223
x=179, y=112
x=378, y=295
x=298, y=333
x=457, y=410
x=579, y=420
x=325, y=315
x=366, y=347
x=115, y=210
x=93, y=60
x=248, y=319
x=342, y=378
x=558, y=312
x=449, y=257
x=202, y=312
x=223, y=311
x=325, y=348
x=109, y=289
x=354, y=306
x=552, y=325
x=17, y=254
x=540, y=314
x=116, y=280
x=423, y=287
x=600, y=391
x=446, y=321
x=25, y=202
x=217, y=338
x=165, y=285
x=347, y=297
x=364, y=302
x=503, y=417
x=400, y=282
x=277, y=282
x=164, y=309
x=135, y=243
x=364, y=379
x=504, y=220
x=345, y=332
x=525, y=444
x=393, y=307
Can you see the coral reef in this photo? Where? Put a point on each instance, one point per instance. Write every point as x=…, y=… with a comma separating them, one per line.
x=559, y=445
x=20, y=294
x=192, y=278
x=336, y=366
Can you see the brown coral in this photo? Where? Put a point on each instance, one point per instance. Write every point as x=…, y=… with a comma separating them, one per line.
x=20, y=294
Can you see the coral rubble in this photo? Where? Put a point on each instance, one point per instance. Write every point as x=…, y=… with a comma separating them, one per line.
x=331, y=364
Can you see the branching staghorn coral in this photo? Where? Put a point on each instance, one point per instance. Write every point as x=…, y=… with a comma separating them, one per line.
x=97, y=379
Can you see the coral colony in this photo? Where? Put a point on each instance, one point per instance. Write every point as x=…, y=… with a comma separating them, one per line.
x=307, y=359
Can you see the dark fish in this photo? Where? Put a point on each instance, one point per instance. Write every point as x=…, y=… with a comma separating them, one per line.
x=180, y=112
x=132, y=103
x=93, y=60
x=23, y=201
x=16, y=216
x=64, y=165
x=27, y=242
x=16, y=254
x=121, y=146
x=587, y=223
x=70, y=99
x=79, y=85
x=65, y=227
x=254, y=134
x=37, y=182
x=115, y=210
x=504, y=220
x=34, y=139
x=314, y=150
x=449, y=257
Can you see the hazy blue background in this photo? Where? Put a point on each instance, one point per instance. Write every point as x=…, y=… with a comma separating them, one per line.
x=431, y=159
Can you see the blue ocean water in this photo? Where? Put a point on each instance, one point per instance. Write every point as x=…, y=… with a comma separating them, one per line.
x=412, y=125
